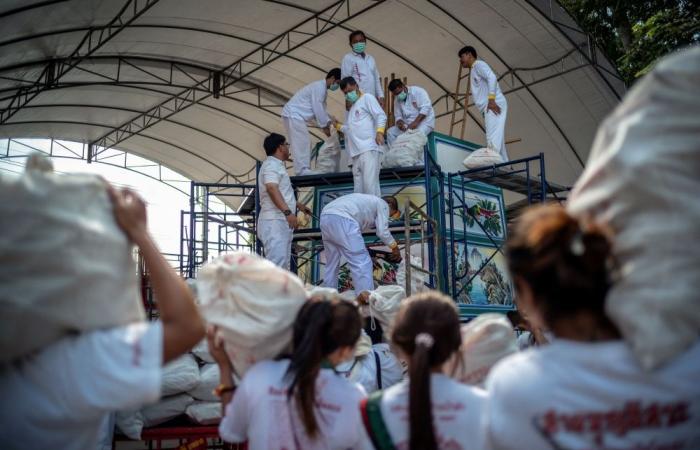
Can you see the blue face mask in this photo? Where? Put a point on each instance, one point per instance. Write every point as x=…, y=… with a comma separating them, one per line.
x=358, y=47
x=352, y=96
x=402, y=96
x=333, y=87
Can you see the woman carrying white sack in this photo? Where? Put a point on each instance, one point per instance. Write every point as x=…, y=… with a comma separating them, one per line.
x=61, y=396
x=429, y=410
x=585, y=389
x=298, y=402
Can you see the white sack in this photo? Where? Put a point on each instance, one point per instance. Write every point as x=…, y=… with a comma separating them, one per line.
x=328, y=159
x=642, y=181
x=130, y=423
x=253, y=303
x=406, y=150
x=384, y=303
x=66, y=265
x=180, y=375
x=485, y=156
x=204, y=413
x=485, y=340
x=167, y=408
x=201, y=351
x=418, y=278
x=208, y=381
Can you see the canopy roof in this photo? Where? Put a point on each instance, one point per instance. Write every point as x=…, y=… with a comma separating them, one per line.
x=197, y=85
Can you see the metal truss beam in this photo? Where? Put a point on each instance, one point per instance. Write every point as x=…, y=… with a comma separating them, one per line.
x=243, y=67
x=91, y=42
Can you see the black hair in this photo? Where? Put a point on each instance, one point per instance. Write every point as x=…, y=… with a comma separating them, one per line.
x=389, y=199
x=426, y=329
x=333, y=73
x=395, y=83
x=272, y=143
x=356, y=33
x=320, y=328
x=467, y=49
x=347, y=81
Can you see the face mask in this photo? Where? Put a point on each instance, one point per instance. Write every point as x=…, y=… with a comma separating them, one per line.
x=402, y=96
x=333, y=87
x=352, y=96
x=358, y=47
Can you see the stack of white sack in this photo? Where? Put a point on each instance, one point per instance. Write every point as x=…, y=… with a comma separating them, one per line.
x=253, y=304
x=178, y=377
x=201, y=352
x=485, y=156
x=78, y=277
x=642, y=182
x=485, y=340
x=328, y=158
x=406, y=150
x=206, y=410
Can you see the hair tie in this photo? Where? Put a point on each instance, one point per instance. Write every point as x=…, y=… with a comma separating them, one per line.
x=425, y=339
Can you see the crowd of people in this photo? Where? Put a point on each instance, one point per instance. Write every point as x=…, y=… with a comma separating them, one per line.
x=577, y=386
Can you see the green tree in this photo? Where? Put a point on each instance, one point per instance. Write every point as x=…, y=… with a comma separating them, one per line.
x=635, y=33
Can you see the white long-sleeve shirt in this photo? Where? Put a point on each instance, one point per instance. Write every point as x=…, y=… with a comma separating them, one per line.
x=417, y=102
x=364, y=71
x=365, y=118
x=483, y=84
x=369, y=211
x=309, y=103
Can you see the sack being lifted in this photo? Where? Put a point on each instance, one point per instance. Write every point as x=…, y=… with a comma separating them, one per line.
x=642, y=181
x=328, y=159
x=253, y=303
x=66, y=265
x=406, y=150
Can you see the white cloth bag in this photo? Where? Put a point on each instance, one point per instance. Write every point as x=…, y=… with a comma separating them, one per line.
x=66, y=265
x=180, y=375
x=253, y=303
x=642, y=180
x=208, y=381
x=406, y=150
x=482, y=157
x=204, y=413
x=328, y=159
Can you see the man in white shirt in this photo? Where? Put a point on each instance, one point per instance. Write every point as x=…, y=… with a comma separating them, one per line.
x=308, y=104
x=277, y=218
x=364, y=134
x=62, y=395
x=488, y=97
x=413, y=110
x=342, y=222
x=362, y=67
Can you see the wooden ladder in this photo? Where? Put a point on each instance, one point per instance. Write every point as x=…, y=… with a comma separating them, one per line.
x=463, y=105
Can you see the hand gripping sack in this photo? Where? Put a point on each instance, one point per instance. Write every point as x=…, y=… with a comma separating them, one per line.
x=406, y=150
x=642, y=181
x=485, y=156
x=328, y=159
x=253, y=303
x=66, y=265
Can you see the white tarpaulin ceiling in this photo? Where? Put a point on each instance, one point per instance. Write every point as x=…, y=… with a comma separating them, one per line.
x=65, y=73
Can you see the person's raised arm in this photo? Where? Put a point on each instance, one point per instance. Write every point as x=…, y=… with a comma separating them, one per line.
x=182, y=324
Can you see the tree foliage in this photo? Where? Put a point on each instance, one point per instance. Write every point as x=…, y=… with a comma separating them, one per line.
x=635, y=33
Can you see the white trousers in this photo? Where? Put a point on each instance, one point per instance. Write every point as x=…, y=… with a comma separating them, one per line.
x=299, y=143
x=343, y=237
x=496, y=129
x=394, y=132
x=365, y=173
x=276, y=237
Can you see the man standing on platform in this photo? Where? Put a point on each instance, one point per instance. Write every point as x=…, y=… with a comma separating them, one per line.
x=413, y=110
x=342, y=222
x=277, y=218
x=362, y=67
x=488, y=97
x=307, y=104
x=364, y=134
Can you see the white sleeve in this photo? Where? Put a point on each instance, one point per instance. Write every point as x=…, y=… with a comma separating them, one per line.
x=268, y=175
x=381, y=223
x=346, y=67
x=377, y=113
x=424, y=104
x=378, y=78
x=318, y=94
x=234, y=425
x=485, y=72
x=398, y=111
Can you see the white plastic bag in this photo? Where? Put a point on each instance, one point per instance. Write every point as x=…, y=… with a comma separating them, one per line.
x=253, y=303
x=204, y=413
x=208, y=381
x=642, y=181
x=167, y=408
x=406, y=150
x=328, y=159
x=66, y=265
x=180, y=375
x=485, y=340
x=485, y=156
